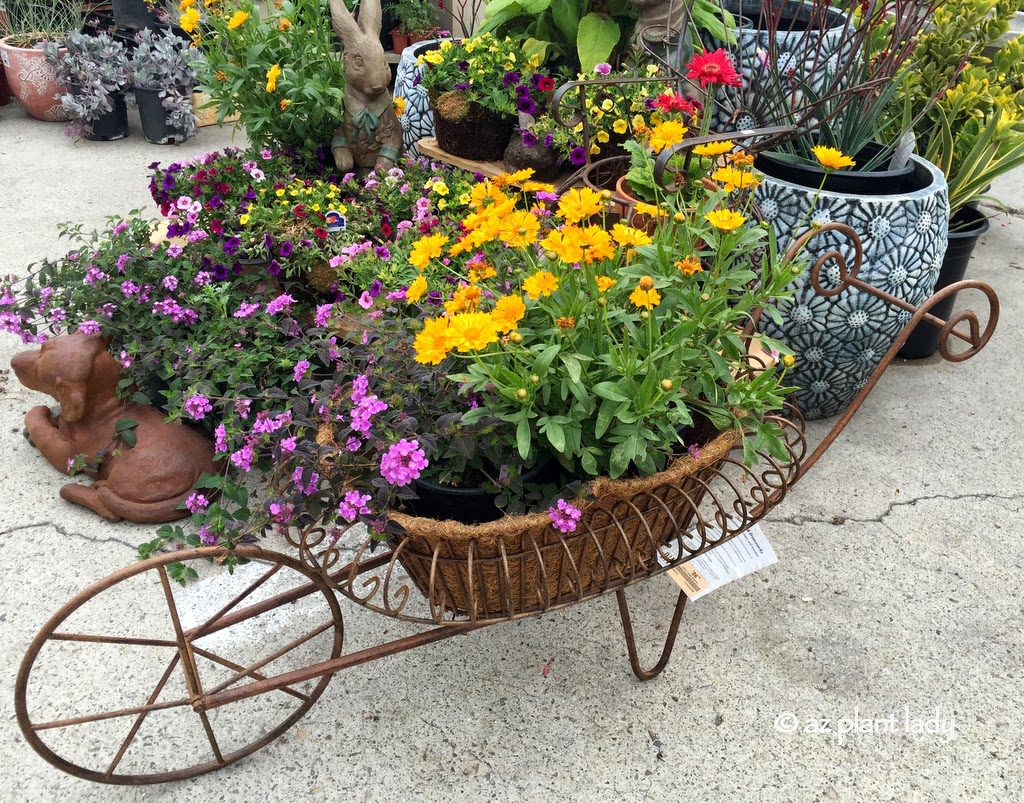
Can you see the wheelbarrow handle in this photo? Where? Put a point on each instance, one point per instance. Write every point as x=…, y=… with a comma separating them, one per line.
x=973, y=335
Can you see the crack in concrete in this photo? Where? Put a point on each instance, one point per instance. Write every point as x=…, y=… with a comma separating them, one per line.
x=880, y=518
x=69, y=534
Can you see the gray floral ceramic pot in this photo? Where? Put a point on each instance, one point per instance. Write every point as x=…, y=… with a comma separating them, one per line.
x=809, y=53
x=418, y=119
x=838, y=341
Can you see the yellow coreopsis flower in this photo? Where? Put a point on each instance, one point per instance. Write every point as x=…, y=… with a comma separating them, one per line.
x=272, y=75
x=665, y=135
x=541, y=283
x=689, y=265
x=651, y=210
x=644, y=295
x=507, y=179
x=594, y=243
x=519, y=229
x=486, y=193
x=832, y=158
x=481, y=271
x=628, y=236
x=426, y=249
x=416, y=290
x=189, y=20
x=562, y=245
x=725, y=219
x=733, y=179
x=284, y=104
x=431, y=344
x=604, y=283
x=714, y=148
x=184, y=4
x=465, y=299
x=399, y=105
x=508, y=312
x=238, y=19
x=580, y=204
x=472, y=331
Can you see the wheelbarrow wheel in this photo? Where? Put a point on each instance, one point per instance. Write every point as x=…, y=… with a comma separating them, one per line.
x=113, y=688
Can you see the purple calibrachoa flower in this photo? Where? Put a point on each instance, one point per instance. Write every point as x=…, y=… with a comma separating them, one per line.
x=198, y=406
x=403, y=462
x=353, y=505
x=300, y=370
x=564, y=517
x=196, y=503
x=604, y=68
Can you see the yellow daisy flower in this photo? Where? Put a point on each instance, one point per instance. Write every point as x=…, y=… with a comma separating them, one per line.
x=416, y=289
x=628, y=236
x=519, y=229
x=238, y=19
x=714, y=148
x=604, y=283
x=580, y=204
x=508, y=312
x=644, y=295
x=832, y=158
x=272, y=75
x=541, y=283
x=472, y=331
x=666, y=134
x=689, y=265
x=725, y=219
x=431, y=344
x=426, y=249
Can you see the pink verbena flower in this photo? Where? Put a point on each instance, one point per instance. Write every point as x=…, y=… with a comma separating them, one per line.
x=89, y=328
x=288, y=444
x=323, y=314
x=564, y=516
x=693, y=450
x=206, y=535
x=361, y=414
x=403, y=462
x=196, y=502
x=170, y=283
x=220, y=439
x=353, y=505
x=242, y=407
x=243, y=458
x=198, y=406
x=245, y=310
x=280, y=304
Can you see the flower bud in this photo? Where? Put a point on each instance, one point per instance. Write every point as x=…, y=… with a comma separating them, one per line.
x=601, y=301
x=515, y=337
x=789, y=360
x=646, y=283
x=534, y=378
x=606, y=195
x=667, y=385
x=644, y=315
x=522, y=394
x=705, y=297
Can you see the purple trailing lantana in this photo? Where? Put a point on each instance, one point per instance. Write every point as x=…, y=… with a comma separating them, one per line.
x=564, y=516
x=403, y=462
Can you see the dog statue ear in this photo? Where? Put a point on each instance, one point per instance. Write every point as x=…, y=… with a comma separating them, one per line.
x=71, y=396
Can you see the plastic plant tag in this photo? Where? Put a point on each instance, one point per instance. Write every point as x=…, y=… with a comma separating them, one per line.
x=737, y=557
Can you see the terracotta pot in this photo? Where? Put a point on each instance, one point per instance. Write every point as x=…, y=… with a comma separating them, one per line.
x=399, y=41
x=33, y=82
x=636, y=220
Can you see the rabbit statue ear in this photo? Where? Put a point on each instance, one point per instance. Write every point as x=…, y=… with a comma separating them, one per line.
x=370, y=17
x=344, y=23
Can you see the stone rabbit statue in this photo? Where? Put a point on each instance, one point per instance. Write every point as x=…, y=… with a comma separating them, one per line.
x=144, y=483
x=370, y=135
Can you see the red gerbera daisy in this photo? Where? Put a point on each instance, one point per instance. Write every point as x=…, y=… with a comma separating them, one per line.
x=674, y=103
x=713, y=68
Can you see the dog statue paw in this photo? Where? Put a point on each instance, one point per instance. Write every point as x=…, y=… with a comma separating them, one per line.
x=144, y=483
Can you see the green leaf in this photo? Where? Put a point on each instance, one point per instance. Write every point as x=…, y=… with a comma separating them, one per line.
x=124, y=423
x=610, y=390
x=566, y=14
x=523, y=437
x=128, y=436
x=596, y=39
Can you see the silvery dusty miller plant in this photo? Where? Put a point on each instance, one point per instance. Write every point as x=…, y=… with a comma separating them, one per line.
x=166, y=63
x=93, y=70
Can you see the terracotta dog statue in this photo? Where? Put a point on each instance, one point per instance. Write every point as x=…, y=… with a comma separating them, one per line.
x=145, y=483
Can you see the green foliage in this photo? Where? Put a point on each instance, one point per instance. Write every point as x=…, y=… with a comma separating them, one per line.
x=302, y=108
x=417, y=17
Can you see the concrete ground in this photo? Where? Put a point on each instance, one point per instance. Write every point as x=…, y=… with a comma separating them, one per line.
x=898, y=591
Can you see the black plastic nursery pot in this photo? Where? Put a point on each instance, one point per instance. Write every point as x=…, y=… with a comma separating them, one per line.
x=113, y=125
x=478, y=133
x=852, y=182
x=470, y=505
x=154, y=119
x=132, y=14
x=966, y=227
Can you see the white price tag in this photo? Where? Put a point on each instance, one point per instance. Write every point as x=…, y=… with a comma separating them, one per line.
x=740, y=556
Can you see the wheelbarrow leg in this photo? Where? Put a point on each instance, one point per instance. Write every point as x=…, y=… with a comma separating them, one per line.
x=670, y=639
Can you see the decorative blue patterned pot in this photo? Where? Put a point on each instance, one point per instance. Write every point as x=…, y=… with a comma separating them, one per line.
x=838, y=341
x=418, y=120
x=738, y=108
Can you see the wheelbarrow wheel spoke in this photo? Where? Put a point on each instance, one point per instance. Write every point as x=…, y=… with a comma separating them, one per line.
x=69, y=729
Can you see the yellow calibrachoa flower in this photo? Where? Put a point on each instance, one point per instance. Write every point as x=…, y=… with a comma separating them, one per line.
x=725, y=219
x=644, y=295
x=832, y=158
x=399, y=104
x=426, y=249
x=628, y=236
x=431, y=343
x=620, y=126
x=189, y=20
x=416, y=289
x=541, y=283
x=733, y=179
x=440, y=188
x=434, y=57
x=562, y=245
x=465, y=299
x=714, y=148
x=578, y=205
x=519, y=230
x=666, y=134
x=604, y=283
x=238, y=19
x=244, y=220
x=272, y=75
x=472, y=331
x=689, y=265
x=508, y=312
x=594, y=243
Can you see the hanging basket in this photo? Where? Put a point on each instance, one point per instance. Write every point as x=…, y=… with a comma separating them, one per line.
x=466, y=129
